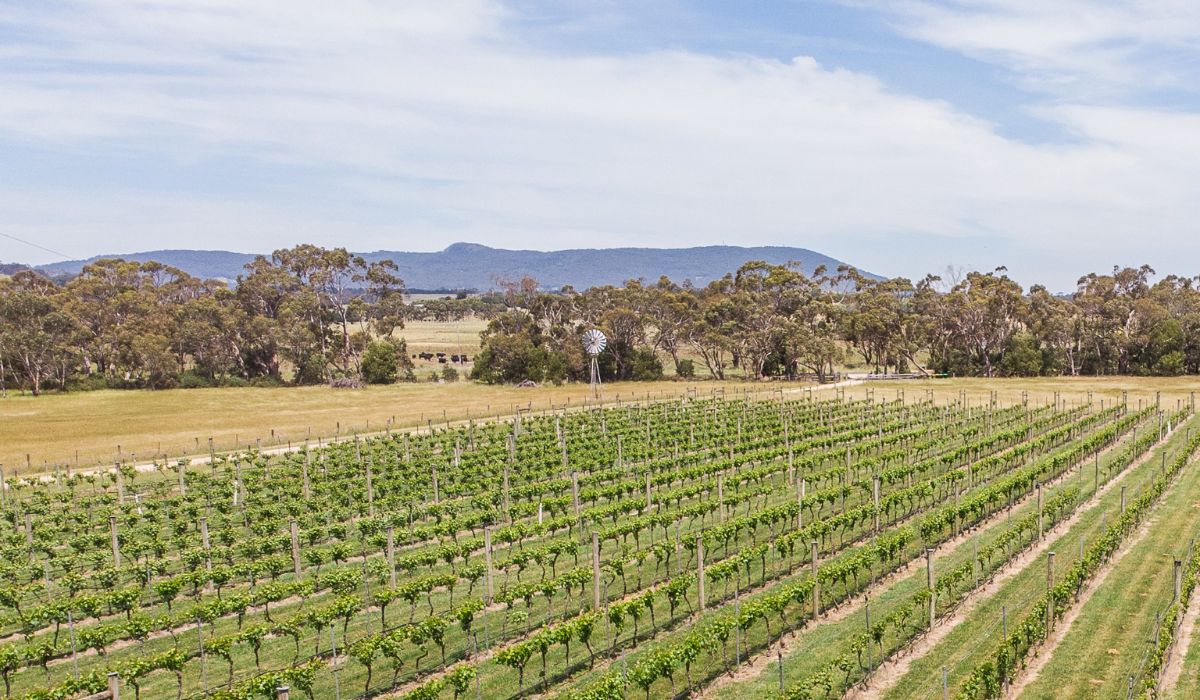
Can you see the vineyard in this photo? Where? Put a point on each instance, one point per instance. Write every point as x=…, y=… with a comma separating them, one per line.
x=787, y=547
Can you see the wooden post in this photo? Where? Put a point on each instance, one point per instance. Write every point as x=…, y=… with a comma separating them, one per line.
x=370, y=491
x=1041, y=522
x=29, y=531
x=437, y=497
x=207, y=546
x=721, y=495
x=816, y=581
x=507, y=509
x=487, y=556
x=595, y=571
x=295, y=528
x=1178, y=579
x=116, y=548
x=700, y=569
x=120, y=484
x=649, y=500
x=801, y=487
x=1049, y=589
x=1122, y=499
x=304, y=473
x=391, y=555
x=929, y=581
x=281, y=693
x=575, y=498
x=114, y=686
x=875, y=500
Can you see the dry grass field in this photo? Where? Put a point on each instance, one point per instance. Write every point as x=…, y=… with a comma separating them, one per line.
x=85, y=428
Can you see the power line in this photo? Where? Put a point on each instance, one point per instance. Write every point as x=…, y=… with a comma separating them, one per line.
x=64, y=256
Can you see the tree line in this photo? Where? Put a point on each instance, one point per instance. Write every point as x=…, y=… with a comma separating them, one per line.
x=776, y=321
x=309, y=315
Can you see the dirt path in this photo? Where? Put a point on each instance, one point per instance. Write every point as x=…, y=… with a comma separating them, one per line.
x=1173, y=667
x=758, y=665
x=889, y=673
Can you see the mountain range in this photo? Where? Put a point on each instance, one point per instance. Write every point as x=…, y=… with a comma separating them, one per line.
x=476, y=267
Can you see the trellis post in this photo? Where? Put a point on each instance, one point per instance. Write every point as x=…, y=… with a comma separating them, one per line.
x=816, y=581
x=929, y=581
x=391, y=555
x=295, y=532
x=116, y=549
x=487, y=555
x=595, y=571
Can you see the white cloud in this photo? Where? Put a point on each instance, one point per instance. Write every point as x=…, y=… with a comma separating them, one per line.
x=423, y=123
x=1069, y=48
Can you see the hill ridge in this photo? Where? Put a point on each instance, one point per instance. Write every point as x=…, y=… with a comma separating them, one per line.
x=464, y=265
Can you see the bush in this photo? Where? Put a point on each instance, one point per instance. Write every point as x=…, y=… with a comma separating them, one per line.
x=449, y=374
x=381, y=362
x=644, y=366
x=192, y=380
x=686, y=369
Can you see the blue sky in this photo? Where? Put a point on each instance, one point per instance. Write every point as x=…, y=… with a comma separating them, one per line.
x=905, y=137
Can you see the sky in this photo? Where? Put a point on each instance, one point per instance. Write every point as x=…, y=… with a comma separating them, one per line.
x=903, y=136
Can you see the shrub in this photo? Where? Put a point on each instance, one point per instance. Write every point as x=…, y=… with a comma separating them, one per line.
x=686, y=369
x=381, y=362
x=192, y=380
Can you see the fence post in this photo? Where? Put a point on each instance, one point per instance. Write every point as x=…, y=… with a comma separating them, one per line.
x=800, y=493
x=816, y=582
x=304, y=471
x=595, y=571
x=295, y=532
x=116, y=549
x=391, y=555
x=487, y=555
x=114, y=686
x=929, y=581
x=281, y=693
x=575, y=500
x=1178, y=579
x=875, y=500
x=700, y=568
x=370, y=490
x=1049, y=592
x=721, y=495
x=1041, y=522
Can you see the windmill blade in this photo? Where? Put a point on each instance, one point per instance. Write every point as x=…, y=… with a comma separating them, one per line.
x=594, y=342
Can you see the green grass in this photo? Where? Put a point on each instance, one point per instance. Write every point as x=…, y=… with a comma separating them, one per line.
x=961, y=650
x=815, y=647
x=1111, y=637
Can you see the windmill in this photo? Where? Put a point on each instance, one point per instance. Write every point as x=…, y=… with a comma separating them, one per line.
x=594, y=343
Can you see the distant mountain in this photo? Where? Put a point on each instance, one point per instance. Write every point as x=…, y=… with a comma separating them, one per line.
x=472, y=266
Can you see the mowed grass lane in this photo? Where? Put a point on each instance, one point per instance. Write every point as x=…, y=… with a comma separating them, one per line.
x=812, y=648
x=960, y=651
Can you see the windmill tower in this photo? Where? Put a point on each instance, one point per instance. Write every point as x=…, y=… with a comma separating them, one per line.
x=594, y=343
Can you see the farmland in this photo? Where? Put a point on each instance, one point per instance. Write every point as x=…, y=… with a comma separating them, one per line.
x=644, y=549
